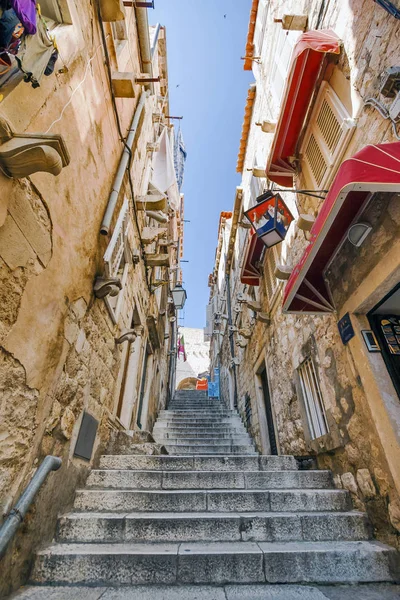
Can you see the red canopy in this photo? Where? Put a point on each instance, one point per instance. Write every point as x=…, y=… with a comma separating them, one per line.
x=250, y=274
x=373, y=169
x=308, y=56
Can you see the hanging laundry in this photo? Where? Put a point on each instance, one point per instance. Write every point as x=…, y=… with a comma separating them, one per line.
x=37, y=54
x=179, y=158
x=26, y=11
x=8, y=22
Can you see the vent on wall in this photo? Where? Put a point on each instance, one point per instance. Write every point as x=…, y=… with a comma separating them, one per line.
x=327, y=135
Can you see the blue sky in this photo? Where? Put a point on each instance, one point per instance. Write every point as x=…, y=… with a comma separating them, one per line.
x=204, y=51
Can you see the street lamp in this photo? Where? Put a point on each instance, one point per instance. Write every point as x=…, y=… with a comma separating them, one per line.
x=179, y=296
x=270, y=218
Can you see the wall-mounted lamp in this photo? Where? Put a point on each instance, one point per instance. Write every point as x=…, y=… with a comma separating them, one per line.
x=358, y=232
x=179, y=296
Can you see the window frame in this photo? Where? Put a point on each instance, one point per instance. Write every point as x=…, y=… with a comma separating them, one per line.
x=121, y=232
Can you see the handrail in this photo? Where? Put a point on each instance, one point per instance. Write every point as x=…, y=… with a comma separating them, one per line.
x=17, y=514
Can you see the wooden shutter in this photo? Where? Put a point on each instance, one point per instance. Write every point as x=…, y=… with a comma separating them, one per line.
x=271, y=282
x=328, y=134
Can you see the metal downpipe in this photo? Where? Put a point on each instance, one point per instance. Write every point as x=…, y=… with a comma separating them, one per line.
x=231, y=334
x=119, y=177
x=17, y=514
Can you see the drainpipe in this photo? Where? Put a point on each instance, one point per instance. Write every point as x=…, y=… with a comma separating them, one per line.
x=144, y=43
x=231, y=334
x=17, y=514
x=119, y=177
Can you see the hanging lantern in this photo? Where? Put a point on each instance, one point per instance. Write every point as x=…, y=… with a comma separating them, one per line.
x=179, y=296
x=270, y=218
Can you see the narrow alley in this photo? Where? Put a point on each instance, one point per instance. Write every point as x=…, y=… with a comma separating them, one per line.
x=200, y=300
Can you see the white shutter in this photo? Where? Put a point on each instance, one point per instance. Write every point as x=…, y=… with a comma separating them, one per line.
x=259, y=32
x=116, y=248
x=328, y=134
x=284, y=48
x=209, y=321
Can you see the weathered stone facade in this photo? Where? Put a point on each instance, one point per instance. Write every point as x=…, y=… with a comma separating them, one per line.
x=59, y=356
x=361, y=445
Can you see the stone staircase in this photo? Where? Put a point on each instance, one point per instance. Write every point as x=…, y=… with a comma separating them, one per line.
x=214, y=518
x=193, y=424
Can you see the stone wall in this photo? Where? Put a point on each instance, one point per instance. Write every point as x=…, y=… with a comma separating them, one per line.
x=358, y=445
x=58, y=356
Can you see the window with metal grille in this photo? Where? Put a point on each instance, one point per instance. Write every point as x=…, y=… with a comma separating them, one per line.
x=247, y=411
x=312, y=398
x=328, y=134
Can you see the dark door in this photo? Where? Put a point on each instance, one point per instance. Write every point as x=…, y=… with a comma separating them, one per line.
x=387, y=331
x=268, y=412
x=142, y=389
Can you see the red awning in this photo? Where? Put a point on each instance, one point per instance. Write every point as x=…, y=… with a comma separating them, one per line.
x=373, y=169
x=307, y=58
x=250, y=274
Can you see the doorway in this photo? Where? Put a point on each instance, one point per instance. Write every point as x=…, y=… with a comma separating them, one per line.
x=142, y=387
x=263, y=379
x=384, y=319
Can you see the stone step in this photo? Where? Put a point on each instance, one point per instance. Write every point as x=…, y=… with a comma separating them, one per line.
x=204, y=408
x=176, y=480
x=198, y=412
x=212, y=500
x=205, y=421
x=199, y=463
x=208, y=449
x=241, y=562
x=216, y=428
x=196, y=433
x=258, y=591
x=214, y=440
x=107, y=528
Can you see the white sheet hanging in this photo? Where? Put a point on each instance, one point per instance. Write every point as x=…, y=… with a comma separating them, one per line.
x=163, y=171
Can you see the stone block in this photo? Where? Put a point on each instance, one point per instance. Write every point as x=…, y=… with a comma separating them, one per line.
x=309, y=500
x=326, y=562
x=238, y=501
x=220, y=563
x=104, y=564
x=141, y=501
x=365, y=483
x=349, y=483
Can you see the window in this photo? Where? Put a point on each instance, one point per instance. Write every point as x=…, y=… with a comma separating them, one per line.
x=271, y=282
x=327, y=136
x=285, y=43
x=56, y=10
x=261, y=22
x=312, y=398
x=117, y=259
x=247, y=411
